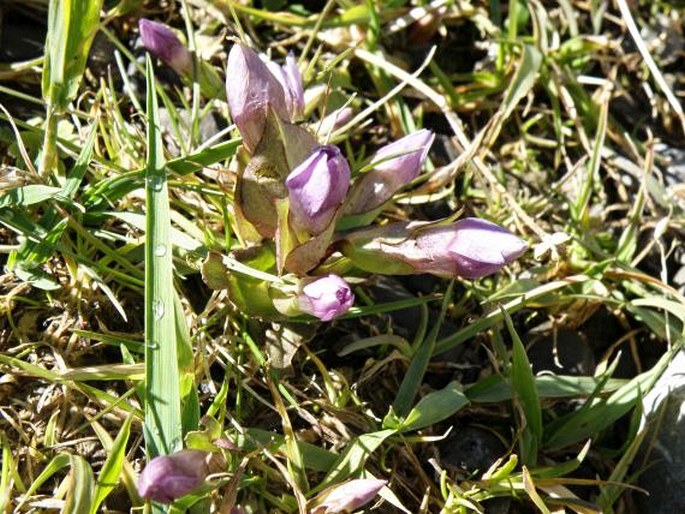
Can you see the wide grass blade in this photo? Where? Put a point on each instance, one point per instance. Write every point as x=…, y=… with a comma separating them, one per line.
x=80, y=494
x=72, y=25
x=162, y=399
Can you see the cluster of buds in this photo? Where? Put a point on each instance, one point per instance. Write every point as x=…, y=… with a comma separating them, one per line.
x=294, y=194
x=166, y=478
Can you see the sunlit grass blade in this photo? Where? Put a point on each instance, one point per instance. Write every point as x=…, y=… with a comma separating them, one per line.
x=80, y=493
x=111, y=470
x=162, y=400
x=72, y=25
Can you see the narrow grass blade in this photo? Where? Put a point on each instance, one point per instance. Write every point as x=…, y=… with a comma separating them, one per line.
x=354, y=457
x=111, y=470
x=417, y=369
x=523, y=384
x=58, y=462
x=162, y=399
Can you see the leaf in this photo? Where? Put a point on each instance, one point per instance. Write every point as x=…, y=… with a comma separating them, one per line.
x=111, y=469
x=72, y=25
x=435, y=407
x=80, y=493
x=353, y=459
x=162, y=427
x=523, y=384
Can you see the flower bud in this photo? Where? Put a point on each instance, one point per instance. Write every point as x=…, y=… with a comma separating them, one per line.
x=470, y=248
x=316, y=188
x=326, y=297
x=159, y=40
x=349, y=496
x=168, y=477
x=252, y=90
x=333, y=121
x=394, y=166
x=290, y=78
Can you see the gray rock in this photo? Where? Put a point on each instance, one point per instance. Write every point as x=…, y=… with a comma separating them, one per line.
x=664, y=476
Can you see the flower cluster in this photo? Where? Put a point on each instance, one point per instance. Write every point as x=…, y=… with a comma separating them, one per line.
x=295, y=194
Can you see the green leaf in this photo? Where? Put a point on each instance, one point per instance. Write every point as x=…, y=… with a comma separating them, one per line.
x=523, y=384
x=80, y=493
x=72, y=25
x=353, y=459
x=435, y=407
x=111, y=469
x=417, y=369
x=162, y=429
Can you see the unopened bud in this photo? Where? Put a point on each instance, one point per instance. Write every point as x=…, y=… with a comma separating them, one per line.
x=160, y=41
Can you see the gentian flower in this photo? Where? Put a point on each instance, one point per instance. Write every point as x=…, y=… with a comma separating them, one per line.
x=394, y=166
x=316, y=188
x=470, y=248
x=251, y=90
x=159, y=40
x=349, y=496
x=168, y=477
x=326, y=298
x=290, y=79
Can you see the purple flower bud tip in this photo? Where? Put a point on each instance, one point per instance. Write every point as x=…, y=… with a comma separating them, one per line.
x=326, y=297
x=251, y=89
x=471, y=247
x=394, y=166
x=349, y=496
x=291, y=80
x=316, y=188
x=159, y=40
x=168, y=477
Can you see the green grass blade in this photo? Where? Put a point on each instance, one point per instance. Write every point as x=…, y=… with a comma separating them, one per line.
x=80, y=493
x=523, y=384
x=72, y=25
x=352, y=460
x=111, y=469
x=162, y=399
x=417, y=369
x=58, y=462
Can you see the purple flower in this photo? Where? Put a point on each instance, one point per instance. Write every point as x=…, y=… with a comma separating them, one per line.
x=168, y=477
x=251, y=90
x=394, y=166
x=326, y=297
x=290, y=78
x=159, y=40
x=316, y=188
x=349, y=496
x=470, y=248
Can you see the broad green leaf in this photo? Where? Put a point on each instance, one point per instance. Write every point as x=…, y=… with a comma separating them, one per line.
x=72, y=25
x=435, y=407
